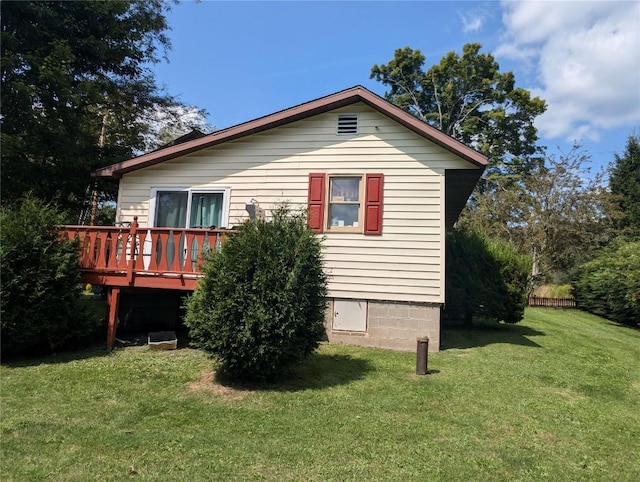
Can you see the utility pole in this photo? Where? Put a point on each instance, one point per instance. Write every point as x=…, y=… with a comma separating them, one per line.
x=94, y=195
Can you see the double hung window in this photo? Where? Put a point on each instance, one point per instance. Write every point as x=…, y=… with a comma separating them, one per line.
x=345, y=208
x=346, y=202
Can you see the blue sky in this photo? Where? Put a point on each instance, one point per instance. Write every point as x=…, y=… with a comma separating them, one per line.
x=242, y=60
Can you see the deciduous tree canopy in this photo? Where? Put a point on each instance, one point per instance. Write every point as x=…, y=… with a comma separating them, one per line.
x=559, y=215
x=468, y=98
x=547, y=205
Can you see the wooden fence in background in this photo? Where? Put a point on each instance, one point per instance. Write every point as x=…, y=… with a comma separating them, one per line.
x=551, y=302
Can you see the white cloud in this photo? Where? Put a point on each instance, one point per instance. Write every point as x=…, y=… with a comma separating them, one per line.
x=475, y=18
x=587, y=60
x=471, y=22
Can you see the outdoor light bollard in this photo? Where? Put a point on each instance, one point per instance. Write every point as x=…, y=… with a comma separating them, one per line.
x=422, y=352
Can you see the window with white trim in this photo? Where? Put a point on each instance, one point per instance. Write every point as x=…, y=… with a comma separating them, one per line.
x=189, y=208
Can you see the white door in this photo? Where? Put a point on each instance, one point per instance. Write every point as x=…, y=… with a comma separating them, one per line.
x=350, y=315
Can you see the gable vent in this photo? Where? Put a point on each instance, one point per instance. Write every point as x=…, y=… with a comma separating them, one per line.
x=348, y=124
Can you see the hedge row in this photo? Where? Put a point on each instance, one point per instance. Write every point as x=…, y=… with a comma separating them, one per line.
x=609, y=285
x=485, y=278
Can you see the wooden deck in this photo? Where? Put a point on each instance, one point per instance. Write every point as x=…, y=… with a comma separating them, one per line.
x=135, y=257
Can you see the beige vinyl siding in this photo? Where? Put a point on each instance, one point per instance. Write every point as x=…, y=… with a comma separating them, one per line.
x=405, y=263
x=442, y=234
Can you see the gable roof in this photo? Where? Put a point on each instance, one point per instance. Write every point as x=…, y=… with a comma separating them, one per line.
x=189, y=136
x=293, y=114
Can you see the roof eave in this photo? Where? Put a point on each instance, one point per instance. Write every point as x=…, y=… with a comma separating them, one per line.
x=293, y=114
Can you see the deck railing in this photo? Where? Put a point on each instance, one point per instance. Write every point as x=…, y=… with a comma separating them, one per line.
x=133, y=250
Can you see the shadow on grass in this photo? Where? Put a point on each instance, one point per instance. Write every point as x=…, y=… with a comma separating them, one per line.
x=94, y=351
x=92, y=346
x=629, y=326
x=456, y=335
x=318, y=372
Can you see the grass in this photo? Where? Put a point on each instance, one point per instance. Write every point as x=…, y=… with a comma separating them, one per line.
x=554, y=291
x=556, y=397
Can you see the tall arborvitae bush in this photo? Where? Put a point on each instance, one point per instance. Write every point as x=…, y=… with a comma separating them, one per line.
x=467, y=259
x=484, y=278
x=40, y=295
x=609, y=285
x=512, y=272
x=260, y=307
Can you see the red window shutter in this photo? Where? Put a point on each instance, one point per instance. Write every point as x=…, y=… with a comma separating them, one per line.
x=316, y=201
x=373, y=204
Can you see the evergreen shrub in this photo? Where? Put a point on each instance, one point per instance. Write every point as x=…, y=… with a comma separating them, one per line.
x=609, y=285
x=485, y=277
x=40, y=295
x=260, y=307
x=512, y=272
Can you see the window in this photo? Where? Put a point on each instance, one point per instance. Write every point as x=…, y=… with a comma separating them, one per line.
x=182, y=208
x=345, y=213
x=346, y=203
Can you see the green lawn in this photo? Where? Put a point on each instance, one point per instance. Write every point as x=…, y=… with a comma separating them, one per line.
x=556, y=397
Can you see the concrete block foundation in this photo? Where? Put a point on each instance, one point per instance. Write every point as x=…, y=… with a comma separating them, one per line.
x=389, y=324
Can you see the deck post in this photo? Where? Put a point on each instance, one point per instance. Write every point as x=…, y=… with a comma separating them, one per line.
x=113, y=300
x=133, y=250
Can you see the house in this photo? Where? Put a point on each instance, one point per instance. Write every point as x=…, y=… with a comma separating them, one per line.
x=381, y=187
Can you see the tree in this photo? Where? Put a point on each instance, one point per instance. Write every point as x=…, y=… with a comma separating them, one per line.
x=624, y=182
x=260, y=307
x=468, y=98
x=167, y=123
x=76, y=90
x=485, y=277
x=560, y=214
x=609, y=285
x=40, y=296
